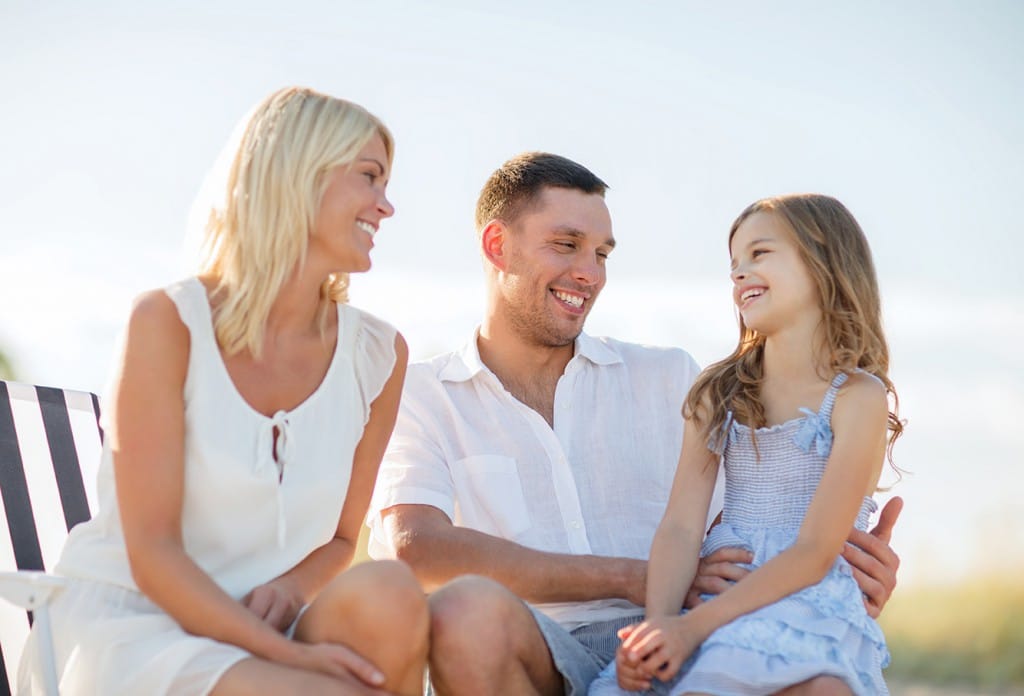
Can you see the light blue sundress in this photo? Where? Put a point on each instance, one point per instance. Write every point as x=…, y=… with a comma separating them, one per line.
x=820, y=630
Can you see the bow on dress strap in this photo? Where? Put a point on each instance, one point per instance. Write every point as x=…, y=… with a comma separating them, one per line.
x=274, y=458
x=814, y=431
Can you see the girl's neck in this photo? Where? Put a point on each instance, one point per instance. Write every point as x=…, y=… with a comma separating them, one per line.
x=794, y=356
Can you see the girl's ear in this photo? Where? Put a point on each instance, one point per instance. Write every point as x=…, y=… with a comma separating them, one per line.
x=492, y=243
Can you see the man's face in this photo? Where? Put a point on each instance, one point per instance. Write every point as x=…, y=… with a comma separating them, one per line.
x=555, y=265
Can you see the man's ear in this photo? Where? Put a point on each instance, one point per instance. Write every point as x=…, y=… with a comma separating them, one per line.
x=492, y=243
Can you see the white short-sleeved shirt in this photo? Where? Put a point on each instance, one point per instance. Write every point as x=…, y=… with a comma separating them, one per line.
x=596, y=483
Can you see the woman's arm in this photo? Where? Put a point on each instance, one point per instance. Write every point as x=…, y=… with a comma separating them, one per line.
x=147, y=442
x=279, y=601
x=852, y=471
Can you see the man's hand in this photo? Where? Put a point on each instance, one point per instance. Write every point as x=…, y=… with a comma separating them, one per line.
x=873, y=562
x=716, y=573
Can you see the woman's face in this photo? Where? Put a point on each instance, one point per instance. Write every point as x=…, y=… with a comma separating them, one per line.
x=350, y=212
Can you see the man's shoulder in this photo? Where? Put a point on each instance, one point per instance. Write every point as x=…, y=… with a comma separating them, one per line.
x=429, y=374
x=647, y=354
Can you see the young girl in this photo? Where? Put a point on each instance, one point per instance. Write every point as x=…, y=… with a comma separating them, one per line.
x=797, y=479
x=248, y=416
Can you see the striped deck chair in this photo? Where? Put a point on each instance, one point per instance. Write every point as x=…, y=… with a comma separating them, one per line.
x=50, y=444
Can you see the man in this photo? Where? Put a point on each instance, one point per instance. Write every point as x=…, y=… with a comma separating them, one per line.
x=539, y=459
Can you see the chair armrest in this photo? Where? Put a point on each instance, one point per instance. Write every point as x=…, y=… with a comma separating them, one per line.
x=29, y=589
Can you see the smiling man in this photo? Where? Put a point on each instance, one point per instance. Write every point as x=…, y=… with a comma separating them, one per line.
x=537, y=460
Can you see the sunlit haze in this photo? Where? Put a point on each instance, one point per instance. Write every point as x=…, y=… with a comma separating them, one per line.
x=910, y=113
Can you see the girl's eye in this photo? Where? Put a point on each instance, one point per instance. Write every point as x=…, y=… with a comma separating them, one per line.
x=371, y=176
x=757, y=252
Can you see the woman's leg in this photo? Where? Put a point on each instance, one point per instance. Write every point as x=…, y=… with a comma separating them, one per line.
x=378, y=610
x=256, y=676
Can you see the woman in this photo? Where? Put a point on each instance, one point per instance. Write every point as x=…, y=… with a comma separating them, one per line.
x=248, y=415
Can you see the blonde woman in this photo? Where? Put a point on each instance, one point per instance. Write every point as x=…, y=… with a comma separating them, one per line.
x=246, y=421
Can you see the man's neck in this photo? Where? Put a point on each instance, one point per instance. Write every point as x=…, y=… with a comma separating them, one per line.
x=530, y=372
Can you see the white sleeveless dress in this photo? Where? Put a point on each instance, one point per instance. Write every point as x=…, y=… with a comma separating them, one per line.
x=247, y=516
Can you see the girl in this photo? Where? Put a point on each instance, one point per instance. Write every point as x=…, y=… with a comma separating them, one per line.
x=248, y=416
x=796, y=479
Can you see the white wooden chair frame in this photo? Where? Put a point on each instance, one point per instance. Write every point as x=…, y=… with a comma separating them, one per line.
x=50, y=444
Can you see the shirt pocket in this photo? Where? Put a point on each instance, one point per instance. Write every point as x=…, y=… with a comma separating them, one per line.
x=489, y=496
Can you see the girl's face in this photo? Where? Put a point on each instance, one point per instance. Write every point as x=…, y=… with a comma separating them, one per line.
x=772, y=287
x=352, y=207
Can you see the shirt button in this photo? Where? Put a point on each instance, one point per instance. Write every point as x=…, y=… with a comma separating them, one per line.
x=567, y=405
x=575, y=524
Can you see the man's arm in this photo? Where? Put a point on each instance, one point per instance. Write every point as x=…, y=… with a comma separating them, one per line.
x=437, y=550
x=873, y=562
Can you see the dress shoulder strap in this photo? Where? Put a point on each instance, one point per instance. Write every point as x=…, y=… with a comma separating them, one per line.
x=829, y=400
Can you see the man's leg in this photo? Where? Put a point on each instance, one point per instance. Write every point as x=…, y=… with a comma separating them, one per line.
x=485, y=640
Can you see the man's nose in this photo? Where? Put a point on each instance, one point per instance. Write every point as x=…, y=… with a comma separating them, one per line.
x=588, y=271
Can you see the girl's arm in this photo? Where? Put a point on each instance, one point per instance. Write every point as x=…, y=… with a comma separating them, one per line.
x=279, y=601
x=147, y=440
x=852, y=471
x=675, y=554
x=675, y=550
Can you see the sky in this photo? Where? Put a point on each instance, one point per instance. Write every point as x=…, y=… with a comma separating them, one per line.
x=910, y=113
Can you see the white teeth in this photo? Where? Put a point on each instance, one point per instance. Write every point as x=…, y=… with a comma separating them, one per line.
x=753, y=292
x=574, y=300
x=366, y=227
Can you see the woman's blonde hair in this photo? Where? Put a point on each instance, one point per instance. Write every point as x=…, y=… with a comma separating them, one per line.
x=836, y=253
x=257, y=231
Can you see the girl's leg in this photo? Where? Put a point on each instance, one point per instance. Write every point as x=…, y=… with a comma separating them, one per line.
x=379, y=610
x=819, y=686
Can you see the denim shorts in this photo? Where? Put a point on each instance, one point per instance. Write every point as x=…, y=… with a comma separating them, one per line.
x=581, y=654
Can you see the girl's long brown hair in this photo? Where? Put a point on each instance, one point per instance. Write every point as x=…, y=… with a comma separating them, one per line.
x=836, y=253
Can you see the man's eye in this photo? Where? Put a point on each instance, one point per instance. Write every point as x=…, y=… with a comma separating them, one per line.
x=566, y=245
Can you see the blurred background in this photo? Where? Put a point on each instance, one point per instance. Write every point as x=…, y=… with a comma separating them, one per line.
x=112, y=113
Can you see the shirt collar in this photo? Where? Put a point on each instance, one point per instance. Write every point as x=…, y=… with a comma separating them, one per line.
x=465, y=363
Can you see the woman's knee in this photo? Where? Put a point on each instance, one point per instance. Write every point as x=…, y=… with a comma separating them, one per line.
x=375, y=600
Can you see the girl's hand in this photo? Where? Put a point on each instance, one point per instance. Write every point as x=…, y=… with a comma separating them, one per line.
x=658, y=646
x=629, y=674
x=337, y=661
x=276, y=603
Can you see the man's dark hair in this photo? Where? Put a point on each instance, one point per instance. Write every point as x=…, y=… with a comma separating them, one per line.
x=516, y=185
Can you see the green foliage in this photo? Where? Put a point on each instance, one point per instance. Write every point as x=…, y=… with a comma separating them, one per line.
x=968, y=634
x=6, y=368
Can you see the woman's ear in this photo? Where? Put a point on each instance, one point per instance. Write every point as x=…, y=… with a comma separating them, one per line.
x=492, y=243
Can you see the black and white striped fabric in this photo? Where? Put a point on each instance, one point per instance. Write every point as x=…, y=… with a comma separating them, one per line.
x=50, y=444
